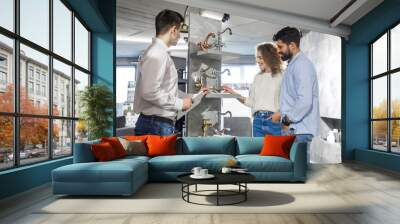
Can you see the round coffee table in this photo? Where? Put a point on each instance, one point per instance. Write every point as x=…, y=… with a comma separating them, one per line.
x=238, y=179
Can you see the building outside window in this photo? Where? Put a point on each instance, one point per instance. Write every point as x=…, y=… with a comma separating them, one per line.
x=385, y=92
x=30, y=87
x=58, y=130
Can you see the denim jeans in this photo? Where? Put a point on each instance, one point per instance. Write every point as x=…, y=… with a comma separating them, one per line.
x=299, y=137
x=263, y=126
x=152, y=126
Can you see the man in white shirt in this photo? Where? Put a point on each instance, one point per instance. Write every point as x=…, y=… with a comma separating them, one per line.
x=156, y=94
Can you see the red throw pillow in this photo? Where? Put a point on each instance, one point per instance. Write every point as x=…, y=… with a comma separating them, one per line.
x=103, y=152
x=277, y=146
x=161, y=145
x=116, y=145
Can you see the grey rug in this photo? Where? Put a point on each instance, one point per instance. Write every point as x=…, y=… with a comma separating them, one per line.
x=166, y=198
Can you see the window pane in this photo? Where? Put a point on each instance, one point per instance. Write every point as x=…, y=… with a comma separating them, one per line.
x=7, y=14
x=33, y=139
x=6, y=142
x=81, y=81
x=62, y=138
x=379, y=135
x=6, y=74
x=34, y=72
x=395, y=94
x=81, y=131
x=395, y=47
x=125, y=94
x=62, y=89
x=35, y=21
x=379, y=98
x=81, y=45
x=62, y=29
x=379, y=55
x=395, y=138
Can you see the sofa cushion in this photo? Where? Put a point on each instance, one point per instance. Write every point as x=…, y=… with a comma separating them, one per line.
x=277, y=146
x=208, y=145
x=134, y=147
x=112, y=171
x=116, y=145
x=103, y=152
x=249, y=145
x=161, y=145
x=83, y=152
x=257, y=163
x=185, y=163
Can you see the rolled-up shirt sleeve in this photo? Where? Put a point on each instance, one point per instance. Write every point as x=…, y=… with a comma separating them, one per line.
x=153, y=72
x=304, y=82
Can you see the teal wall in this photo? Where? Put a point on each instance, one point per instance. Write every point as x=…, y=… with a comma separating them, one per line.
x=100, y=17
x=104, y=53
x=24, y=178
x=356, y=84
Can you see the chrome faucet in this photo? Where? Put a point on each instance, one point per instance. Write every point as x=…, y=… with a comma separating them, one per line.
x=213, y=72
x=230, y=31
x=222, y=131
x=219, y=43
x=226, y=70
x=226, y=112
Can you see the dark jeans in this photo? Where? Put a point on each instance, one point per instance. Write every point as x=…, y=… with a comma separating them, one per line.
x=153, y=126
x=299, y=137
x=263, y=126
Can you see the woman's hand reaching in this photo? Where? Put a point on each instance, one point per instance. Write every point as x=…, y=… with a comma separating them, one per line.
x=228, y=89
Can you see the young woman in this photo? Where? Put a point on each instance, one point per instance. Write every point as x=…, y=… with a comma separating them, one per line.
x=264, y=92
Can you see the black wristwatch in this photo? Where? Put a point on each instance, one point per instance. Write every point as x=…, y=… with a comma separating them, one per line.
x=286, y=121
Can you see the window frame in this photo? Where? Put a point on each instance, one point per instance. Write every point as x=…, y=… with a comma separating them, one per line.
x=16, y=114
x=388, y=74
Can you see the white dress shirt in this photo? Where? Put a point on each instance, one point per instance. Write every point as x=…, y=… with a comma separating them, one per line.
x=264, y=93
x=156, y=90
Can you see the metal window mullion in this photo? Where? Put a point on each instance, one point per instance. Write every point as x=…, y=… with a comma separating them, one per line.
x=389, y=106
x=16, y=84
x=73, y=81
x=50, y=81
x=371, y=135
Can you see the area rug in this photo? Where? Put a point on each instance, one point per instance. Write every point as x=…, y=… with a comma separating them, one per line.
x=167, y=198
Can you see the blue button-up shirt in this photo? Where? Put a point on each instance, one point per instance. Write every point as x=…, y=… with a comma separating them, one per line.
x=299, y=95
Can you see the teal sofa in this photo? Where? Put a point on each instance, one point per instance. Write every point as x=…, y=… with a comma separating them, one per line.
x=125, y=176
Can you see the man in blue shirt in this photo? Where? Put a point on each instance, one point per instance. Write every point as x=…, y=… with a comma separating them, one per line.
x=299, y=101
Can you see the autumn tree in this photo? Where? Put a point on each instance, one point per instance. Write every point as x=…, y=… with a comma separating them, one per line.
x=33, y=131
x=380, y=127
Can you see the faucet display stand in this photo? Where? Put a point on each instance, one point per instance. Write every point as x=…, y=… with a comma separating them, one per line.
x=204, y=70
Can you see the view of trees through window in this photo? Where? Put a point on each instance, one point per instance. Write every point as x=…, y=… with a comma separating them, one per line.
x=385, y=92
x=39, y=100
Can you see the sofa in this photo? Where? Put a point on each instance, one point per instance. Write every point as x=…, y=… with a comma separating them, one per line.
x=126, y=175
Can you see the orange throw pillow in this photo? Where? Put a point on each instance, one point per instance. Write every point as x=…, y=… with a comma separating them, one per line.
x=116, y=145
x=136, y=137
x=161, y=145
x=103, y=152
x=277, y=145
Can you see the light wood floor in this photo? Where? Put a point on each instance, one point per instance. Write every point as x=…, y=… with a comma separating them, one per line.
x=378, y=188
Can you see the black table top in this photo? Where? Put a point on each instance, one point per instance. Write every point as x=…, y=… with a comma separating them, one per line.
x=220, y=178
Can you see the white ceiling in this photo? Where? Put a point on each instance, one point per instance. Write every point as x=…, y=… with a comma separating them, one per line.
x=320, y=9
x=135, y=21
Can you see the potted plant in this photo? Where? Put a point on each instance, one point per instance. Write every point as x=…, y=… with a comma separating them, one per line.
x=96, y=102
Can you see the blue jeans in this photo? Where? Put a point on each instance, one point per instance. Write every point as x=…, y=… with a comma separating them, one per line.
x=299, y=137
x=263, y=126
x=153, y=126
